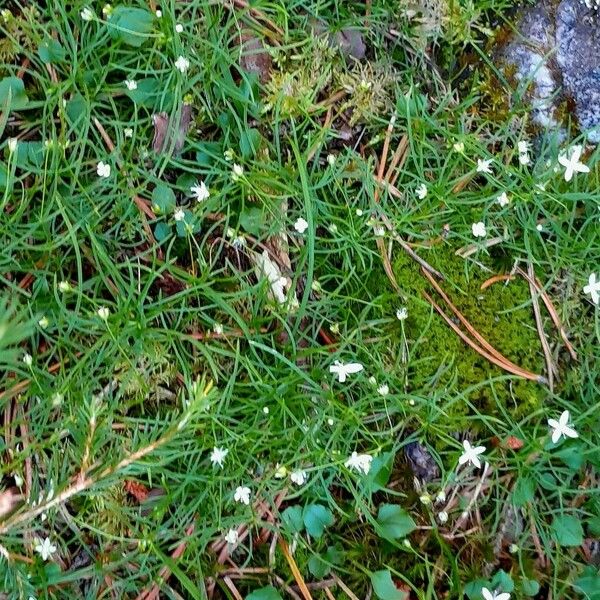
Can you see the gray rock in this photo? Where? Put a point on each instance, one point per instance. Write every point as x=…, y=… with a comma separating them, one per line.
x=557, y=51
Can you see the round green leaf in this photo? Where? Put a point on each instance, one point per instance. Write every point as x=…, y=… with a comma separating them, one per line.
x=394, y=521
x=12, y=94
x=384, y=587
x=130, y=25
x=163, y=199
x=51, y=51
x=316, y=518
x=292, y=517
x=265, y=593
x=567, y=530
x=530, y=587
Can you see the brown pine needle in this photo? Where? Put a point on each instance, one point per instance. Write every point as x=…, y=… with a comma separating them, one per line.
x=295, y=571
x=551, y=309
x=344, y=587
x=398, y=161
x=384, y=153
x=506, y=367
x=495, y=279
x=550, y=366
x=484, y=343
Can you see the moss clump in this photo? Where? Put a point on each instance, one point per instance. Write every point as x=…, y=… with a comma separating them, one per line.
x=501, y=313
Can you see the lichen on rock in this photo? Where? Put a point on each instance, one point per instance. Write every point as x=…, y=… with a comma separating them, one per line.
x=556, y=53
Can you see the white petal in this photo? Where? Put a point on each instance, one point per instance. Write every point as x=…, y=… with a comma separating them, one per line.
x=476, y=461
x=353, y=368
x=556, y=435
x=569, y=432
x=553, y=423
x=487, y=594
x=503, y=596
x=564, y=418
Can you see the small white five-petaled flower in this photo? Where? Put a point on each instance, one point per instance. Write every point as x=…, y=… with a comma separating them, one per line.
x=503, y=199
x=103, y=169
x=103, y=313
x=236, y=172
x=561, y=427
x=242, y=494
x=478, y=229
x=421, y=191
x=130, y=84
x=200, y=191
x=298, y=477
x=301, y=225
x=217, y=456
x=182, y=64
x=128, y=132
x=572, y=164
x=593, y=288
x=488, y=595
x=232, y=537
x=359, y=462
x=45, y=548
x=471, y=454
x=342, y=370
x=87, y=14
x=484, y=166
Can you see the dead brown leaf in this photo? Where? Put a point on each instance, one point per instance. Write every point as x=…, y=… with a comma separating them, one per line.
x=255, y=57
x=165, y=136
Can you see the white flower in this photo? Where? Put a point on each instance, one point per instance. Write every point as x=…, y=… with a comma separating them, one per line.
x=441, y=496
x=301, y=225
x=268, y=269
x=64, y=287
x=593, y=288
x=561, y=427
x=266, y=410
x=459, y=147
x=487, y=595
x=421, y=191
x=483, y=166
x=242, y=495
x=128, y=132
x=331, y=158
x=330, y=422
x=103, y=169
x=182, y=64
x=107, y=10
x=402, y=313
x=471, y=454
x=342, y=370
x=229, y=154
x=539, y=227
x=478, y=229
x=333, y=228
x=523, y=146
x=524, y=159
x=27, y=359
x=359, y=212
x=12, y=144
x=218, y=329
x=87, y=14
x=298, y=477
x=503, y=199
x=442, y=517
x=217, y=456
x=18, y=480
x=103, y=313
x=379, y=230
x=45, y=548
x=179, y=28
x=130, y=84
x=572, y=164
x=200, y=191
x=383, y=390
x=44, y=322
x=179, y=214
x=359, y=462
x=372, y=380
x=158, y=14
x=236, y=172
x=232, y=537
